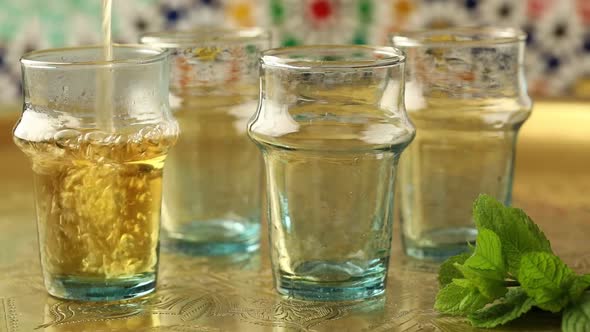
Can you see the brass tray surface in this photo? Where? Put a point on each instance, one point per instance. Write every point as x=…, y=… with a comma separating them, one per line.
x=552, y=184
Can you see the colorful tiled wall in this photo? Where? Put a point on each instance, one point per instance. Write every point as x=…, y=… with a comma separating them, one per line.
x=558, y=55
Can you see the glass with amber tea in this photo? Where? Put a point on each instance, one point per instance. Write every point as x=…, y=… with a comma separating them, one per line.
x=213, y=182
x=97, y=133
x=331, y=126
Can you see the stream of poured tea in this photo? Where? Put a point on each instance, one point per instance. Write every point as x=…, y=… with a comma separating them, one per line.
x=107, y=6
x=104, y=104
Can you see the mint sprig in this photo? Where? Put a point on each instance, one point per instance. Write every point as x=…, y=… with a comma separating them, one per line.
x=546, y=279
x=517, y=232
x=576, y=318
x=511, y=270
x=448, y=271
x=513, y=305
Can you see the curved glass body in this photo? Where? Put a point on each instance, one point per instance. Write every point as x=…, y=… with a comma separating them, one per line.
x=466, y=95
x=97, y=133
x=213, y=175
x=331, y=126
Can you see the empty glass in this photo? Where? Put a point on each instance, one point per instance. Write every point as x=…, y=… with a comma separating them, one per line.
x=331, y=126
x=97, y=133
x=213, y=175
x=466, y=95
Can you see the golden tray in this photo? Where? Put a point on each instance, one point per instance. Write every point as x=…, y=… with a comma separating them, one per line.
x=552, y=184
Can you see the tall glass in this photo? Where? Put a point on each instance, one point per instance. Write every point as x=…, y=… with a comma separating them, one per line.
x=97, y=133
x=212, y=188
x=466, y=94
x=331, y=125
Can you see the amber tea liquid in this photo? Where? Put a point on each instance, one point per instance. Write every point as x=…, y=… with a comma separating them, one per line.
x=98, y=204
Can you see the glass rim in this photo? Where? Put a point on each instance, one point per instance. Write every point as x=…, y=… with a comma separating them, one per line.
x=491, y=36
x=203, y=36
x=153, y=54
x=277, y=58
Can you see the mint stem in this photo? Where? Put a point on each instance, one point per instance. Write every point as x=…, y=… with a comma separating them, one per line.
x=511, y=283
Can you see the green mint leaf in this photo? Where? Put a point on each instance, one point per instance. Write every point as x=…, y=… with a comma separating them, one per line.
x=576, y=318
x=447, y=271
x=488, y=255
x=517, y=232
x=486, y=267
x=459, y=298
x=546, y=279
x=485, y=281
x=513, y=305
x=580, y=284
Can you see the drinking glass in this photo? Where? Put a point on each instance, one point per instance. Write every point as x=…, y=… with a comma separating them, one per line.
x=213, y=175
x=97, y=133
x=466, y=94
x=331, y=126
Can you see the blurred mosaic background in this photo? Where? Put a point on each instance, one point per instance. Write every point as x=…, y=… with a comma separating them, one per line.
x=558, y=55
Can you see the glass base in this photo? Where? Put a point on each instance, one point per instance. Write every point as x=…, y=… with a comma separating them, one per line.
x=214, y=238
x=441, y=244
x=95, y=289
x=347, y=281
